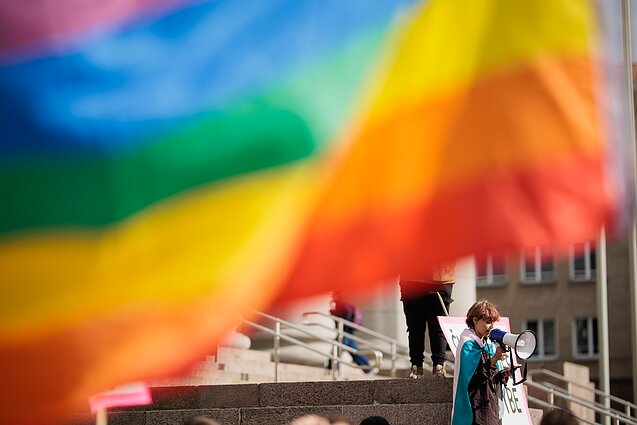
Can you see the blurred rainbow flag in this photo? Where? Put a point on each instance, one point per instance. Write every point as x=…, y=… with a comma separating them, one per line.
x=168, y=164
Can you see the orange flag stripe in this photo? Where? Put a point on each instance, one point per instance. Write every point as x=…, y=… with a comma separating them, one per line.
x=474, y=217
x=504, y=124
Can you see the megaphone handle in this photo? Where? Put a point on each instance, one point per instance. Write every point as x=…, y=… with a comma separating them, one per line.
x=522, y=374
x=504, y=347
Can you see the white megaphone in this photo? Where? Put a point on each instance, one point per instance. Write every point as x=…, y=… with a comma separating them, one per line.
x=523, y=345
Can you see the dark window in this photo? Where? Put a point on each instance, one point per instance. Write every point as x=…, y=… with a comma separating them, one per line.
x=490, y=271
x=586, y=337
x=583, y=261
x=538, y=265
x=545, y=332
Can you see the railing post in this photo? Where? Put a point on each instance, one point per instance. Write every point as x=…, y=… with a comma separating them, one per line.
x=334, y=360
x=277, y=344
x=340, y=328
x=336, y=370
x=627, y=410
x=551, y=400
x=393, y=360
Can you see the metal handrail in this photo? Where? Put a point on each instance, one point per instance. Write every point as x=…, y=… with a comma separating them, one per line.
x=340, y=324
x=552, y=406
x=614, y=415
x=628, y=405
x=337, y=346
x=395, y=351
x=305, y=321
x=586, y=403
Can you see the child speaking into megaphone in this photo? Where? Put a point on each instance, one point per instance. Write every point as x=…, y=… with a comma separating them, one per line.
x=478, y=382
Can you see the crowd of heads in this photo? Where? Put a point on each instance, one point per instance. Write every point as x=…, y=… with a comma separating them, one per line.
x=337, y=420
x=553, y=417
x=303, y=420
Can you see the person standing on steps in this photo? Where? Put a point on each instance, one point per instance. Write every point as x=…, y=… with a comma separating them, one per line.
x=339, y=307
x=424, y=298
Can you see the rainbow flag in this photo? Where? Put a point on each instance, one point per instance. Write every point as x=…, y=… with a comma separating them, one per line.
x=166, y=165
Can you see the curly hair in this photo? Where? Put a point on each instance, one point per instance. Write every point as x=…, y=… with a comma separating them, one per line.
x=482, y=309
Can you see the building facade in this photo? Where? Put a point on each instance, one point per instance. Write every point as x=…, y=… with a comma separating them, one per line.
x=557, y=300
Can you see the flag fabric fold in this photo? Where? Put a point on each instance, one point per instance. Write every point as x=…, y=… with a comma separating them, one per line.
x=168, y=165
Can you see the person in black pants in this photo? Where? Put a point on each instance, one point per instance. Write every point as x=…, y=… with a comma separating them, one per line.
x=421, y=303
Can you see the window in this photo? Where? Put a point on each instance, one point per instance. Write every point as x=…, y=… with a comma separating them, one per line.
x=490, y=271
x=538, y=266
x=545, y=332
x=585, y=338
x=582, y=261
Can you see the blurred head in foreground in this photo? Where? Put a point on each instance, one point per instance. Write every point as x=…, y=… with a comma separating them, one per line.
x=200, y=420
x=375, y=420
x=320, y=420
x=559, y=417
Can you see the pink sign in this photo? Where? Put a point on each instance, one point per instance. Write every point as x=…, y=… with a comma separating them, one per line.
x=135, y=394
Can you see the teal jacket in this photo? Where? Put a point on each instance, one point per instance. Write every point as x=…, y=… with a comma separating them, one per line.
x=468, y=356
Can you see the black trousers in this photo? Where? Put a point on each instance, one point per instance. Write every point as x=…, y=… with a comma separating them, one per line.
x=422, y=311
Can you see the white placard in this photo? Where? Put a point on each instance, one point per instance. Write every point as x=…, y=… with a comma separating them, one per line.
x=516, y=408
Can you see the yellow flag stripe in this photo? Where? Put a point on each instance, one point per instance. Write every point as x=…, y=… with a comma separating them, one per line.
x=235, y=233
x=450, y=44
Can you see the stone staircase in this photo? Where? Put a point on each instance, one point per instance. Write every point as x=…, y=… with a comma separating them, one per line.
x=401, y=401
x=233, y=365
x=236, y=387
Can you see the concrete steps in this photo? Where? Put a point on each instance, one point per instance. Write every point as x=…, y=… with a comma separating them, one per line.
x=233, y=365
x=401, y=401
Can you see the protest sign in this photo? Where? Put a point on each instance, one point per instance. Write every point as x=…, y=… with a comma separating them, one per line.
x=514, y=408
